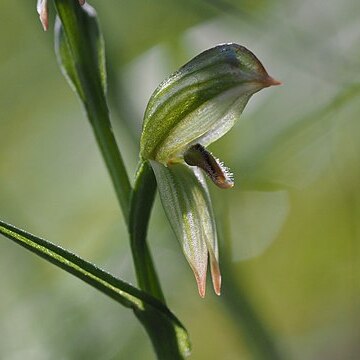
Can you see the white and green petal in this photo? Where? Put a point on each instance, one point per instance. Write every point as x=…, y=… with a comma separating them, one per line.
x=186, y=201
x=201, y=101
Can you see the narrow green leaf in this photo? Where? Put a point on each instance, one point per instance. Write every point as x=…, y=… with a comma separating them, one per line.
x=144, y=305
x=80, y=51
x=82, y=57
x=187, y=204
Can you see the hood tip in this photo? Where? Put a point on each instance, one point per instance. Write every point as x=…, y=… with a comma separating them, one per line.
x=273, y=82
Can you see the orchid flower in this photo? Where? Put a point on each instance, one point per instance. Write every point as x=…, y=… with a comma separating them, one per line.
x=43, y=11
x=194, y=107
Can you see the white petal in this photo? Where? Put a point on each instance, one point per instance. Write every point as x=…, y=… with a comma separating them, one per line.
x=187, y=204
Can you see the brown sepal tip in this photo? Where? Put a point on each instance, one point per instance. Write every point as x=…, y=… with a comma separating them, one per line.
x=270, y=81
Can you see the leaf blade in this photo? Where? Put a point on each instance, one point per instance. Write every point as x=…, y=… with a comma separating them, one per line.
x=80, y=51
x=120, y=291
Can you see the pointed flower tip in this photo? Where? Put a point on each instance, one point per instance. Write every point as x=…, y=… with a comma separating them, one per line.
x=215, y=274
x=217, y=285
x=270, y=81
x=202, y=293
x=43, y=11
x=45, y=23
x=201, y=284
x=217, y=291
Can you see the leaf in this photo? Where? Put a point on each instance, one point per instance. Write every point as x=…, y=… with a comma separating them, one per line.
x=80, y=51
x=201, y=101
x=187, y=205
x=144, y=305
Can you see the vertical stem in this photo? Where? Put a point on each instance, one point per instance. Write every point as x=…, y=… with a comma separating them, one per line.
x=141, y=205
x=167, y=343
x=101, y=125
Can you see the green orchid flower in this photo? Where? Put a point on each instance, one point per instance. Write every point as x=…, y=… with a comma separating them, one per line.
x=194, y=107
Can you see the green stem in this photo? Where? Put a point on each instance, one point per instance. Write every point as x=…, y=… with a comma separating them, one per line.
x=141, y=205
x=101, y=125
x=169, y=341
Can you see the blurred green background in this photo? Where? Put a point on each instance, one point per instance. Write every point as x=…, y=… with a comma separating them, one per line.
x=290, y=226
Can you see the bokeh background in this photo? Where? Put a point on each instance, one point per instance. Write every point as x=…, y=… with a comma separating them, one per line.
x=289, y=228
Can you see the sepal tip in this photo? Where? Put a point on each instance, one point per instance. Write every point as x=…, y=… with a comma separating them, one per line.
x=270, y=81
x=43, y=11
x=201, y=284
x=215, y=275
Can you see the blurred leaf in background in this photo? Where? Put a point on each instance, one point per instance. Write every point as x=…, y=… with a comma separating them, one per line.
x=294, y=215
